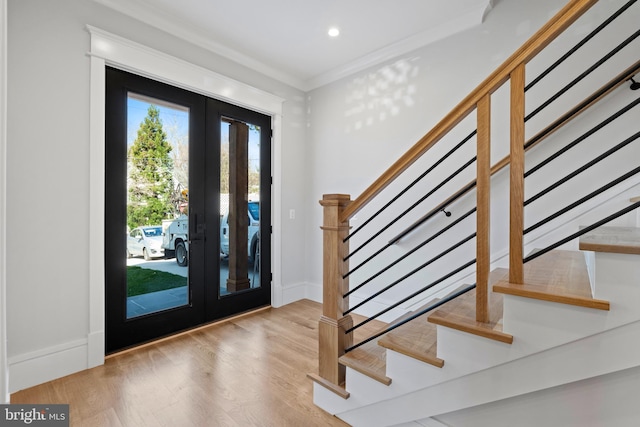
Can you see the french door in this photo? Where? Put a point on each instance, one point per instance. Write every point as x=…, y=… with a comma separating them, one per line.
x=187, y=230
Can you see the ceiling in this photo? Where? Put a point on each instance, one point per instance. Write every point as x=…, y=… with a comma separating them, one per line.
x=288, y=41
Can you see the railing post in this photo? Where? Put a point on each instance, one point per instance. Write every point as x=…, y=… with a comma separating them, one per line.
x=333, y=324
x=483, y=212
x=516, y=208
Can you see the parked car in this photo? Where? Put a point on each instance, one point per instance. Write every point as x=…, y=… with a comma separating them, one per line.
x=146, y=242
x=176, y=235
x=253, y=236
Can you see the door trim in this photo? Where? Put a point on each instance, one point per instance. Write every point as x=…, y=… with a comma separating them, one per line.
x=111, y=50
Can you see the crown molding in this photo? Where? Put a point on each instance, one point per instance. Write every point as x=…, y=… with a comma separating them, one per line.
x=182, y=30
x=462, y=23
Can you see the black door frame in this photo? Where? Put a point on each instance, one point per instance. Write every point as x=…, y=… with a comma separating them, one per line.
x=237, y=302
x=205, y=305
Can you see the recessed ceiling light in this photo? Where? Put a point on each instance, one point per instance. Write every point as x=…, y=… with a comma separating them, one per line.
x=334, y=32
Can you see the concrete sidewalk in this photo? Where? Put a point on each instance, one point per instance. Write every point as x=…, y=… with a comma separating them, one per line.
x=156, y=301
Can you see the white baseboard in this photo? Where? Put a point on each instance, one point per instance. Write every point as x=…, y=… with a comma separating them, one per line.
x=293, y=293
x=314, y=292
x=96, y=349
x=30, y=369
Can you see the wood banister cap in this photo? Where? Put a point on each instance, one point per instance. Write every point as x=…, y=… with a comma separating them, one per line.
x=335, y=200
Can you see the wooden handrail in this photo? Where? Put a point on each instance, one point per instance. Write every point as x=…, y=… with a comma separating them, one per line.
x=607, y=88
x=543, y=37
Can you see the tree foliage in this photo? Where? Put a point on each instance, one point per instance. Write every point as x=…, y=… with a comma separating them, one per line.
x=150, y=173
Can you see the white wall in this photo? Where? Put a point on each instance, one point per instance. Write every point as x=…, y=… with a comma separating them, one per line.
x=4, y=377
x=360, y=125
x=48, y=176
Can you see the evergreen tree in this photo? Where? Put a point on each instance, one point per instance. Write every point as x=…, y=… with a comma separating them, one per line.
x=150, y=173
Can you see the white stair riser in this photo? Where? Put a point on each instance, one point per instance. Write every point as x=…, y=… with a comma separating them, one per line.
x=464, y=353
x=412, y=373
x=596, y=355
x=617, y=279
x=538, y=325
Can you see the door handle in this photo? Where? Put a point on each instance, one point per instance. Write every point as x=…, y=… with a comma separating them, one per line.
x=197, y=231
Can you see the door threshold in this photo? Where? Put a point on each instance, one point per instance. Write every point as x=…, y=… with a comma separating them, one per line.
x=187, y=331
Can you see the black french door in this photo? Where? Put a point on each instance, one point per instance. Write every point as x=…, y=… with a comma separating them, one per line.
x=187, y=209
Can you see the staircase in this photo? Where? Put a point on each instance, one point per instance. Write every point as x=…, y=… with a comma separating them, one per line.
x=541, y=332
x=577, y=317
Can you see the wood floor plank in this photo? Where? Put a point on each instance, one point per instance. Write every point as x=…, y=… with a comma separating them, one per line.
x=249, y=371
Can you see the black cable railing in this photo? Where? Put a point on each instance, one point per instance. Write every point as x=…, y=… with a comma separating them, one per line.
x=583, y=75
x=582, y=231
x=583, y=168
x=412, y=272
x=414, y=294
x=407, y=254
x=455, y=196
x=583, y=137
x=413, y=183
x=581, y=43
x=583, y=200
x=410, y=208
x=411, y=317
x=590, y=100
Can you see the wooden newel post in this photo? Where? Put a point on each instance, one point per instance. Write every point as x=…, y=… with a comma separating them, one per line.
x=332, y=336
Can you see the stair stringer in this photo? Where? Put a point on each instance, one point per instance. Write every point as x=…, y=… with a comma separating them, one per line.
x=555, y=325
x=603, y=353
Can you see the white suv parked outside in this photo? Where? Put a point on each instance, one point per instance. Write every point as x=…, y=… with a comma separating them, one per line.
x=253, y=234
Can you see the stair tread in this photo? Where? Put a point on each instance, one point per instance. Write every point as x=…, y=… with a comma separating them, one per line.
x=558, y=276
x=417, y=339
x=369, y=359
x=460, y=313
x=623, y=240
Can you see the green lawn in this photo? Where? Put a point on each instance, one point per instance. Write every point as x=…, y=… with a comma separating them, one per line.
x=143, y=281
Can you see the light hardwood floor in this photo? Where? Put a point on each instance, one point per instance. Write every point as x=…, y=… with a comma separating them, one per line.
x=249, y=371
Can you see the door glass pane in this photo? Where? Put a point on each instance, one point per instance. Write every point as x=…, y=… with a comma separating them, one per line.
x=157, y=205
x=239, y=207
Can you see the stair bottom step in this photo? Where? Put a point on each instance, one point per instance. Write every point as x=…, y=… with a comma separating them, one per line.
x=368, y=359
